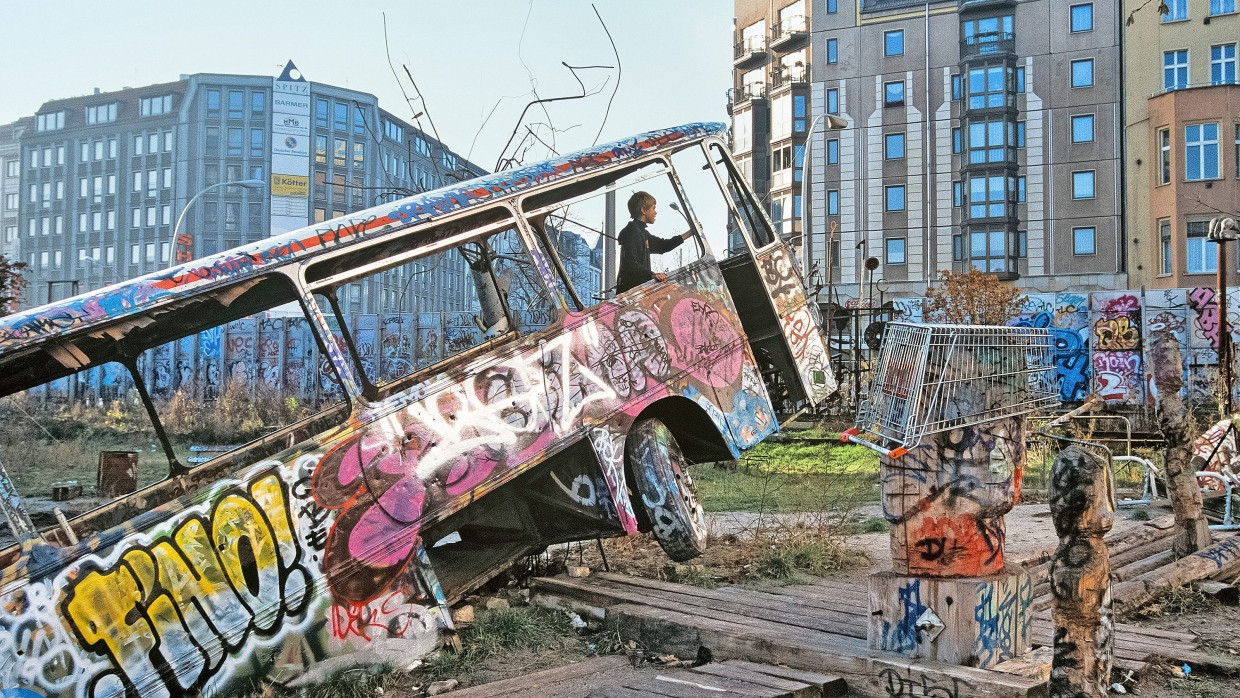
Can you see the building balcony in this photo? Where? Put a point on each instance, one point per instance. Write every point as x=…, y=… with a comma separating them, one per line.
x=748, y=93
x=963, y=6
x=750, y=54
x=783, y=75
x=988, y=44
x=790, y=34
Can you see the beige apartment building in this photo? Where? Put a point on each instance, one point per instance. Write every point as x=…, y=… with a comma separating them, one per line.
x=980, y=133
x=1182, y=123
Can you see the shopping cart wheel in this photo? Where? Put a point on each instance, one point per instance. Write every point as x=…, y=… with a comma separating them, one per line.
x=668, y=496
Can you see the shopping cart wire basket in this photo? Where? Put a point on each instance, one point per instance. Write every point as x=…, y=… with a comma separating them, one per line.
x=935, y=378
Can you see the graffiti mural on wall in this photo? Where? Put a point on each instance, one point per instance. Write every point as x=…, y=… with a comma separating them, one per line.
x=1115, y=336
x=1101, y=338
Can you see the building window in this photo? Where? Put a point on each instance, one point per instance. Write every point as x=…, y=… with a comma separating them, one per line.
x=956, y=141
x=1238, y=150
x=236, y=104
x=213, y=101
x=833, y=151
x=894, y=146
x=258, y=102
x=340, y=152
x=393, y=131
x=833, y=51
x=340, y=120
x=421, y=146
x=895, y=250
x=1176, y=11
x=213, y=140
x=1164, y=247
x=1083, y=128
x=1222, y=7
x=1201, y=152
x=1164, y=156
x=234, y=142
x=320, y=149
x=1083, y=73
x=893, y=94
x=256, y=142
x=833, y=202
x=1223, y=64
x=153, y=106
x=320, y=113
x=986, y=198
x=52, y=121
x=359, y=156
x=988, y=250
x=832, y=6
x=1083, y=241
x=1201, y=253
x=893, y=43
x=957, y=88
x=957, y=194
x=1020, y=80
x=1083, y=184
x=986, y=142
x=98, y=150
x=986, y=88
x=1020, y=134
x=12, y=168
x=1175, y=69
x=1083, y=17
x=833, y=101
x=895, y=198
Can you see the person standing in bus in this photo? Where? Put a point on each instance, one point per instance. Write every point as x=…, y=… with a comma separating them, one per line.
x=637, y=244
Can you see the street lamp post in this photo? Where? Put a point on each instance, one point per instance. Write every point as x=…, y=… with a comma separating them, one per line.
x=1223, y=230
x=834, y=123
x=247, y=183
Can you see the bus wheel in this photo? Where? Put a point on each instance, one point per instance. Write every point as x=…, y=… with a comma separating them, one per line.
x=668, y=495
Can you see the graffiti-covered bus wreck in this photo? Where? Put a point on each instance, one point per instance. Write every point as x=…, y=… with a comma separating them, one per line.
x=343, y=533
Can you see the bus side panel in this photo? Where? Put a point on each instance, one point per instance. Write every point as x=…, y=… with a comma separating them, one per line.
x=289, y=564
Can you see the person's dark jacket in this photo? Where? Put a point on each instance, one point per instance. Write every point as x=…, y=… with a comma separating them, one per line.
x=636, y=246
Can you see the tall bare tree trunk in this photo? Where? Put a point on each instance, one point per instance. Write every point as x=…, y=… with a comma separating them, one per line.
x=1167, y=362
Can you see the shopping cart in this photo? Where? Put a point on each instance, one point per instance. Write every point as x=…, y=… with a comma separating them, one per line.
x=935, y=378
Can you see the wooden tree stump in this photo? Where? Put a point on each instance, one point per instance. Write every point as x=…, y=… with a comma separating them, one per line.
x=1167, y=362
x=1080, y=572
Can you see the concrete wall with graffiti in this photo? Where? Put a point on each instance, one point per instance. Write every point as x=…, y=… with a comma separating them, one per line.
x=1101, y=337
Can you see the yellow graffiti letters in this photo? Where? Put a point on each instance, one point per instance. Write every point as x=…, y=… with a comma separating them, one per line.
x=169, y=614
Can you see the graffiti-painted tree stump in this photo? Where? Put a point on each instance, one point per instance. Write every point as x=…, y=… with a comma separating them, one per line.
x=949, y=596
x=1081, y=575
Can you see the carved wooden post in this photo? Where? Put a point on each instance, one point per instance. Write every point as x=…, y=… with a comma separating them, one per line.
x=949, y=596
x=1192, y=530
x=1081, y=575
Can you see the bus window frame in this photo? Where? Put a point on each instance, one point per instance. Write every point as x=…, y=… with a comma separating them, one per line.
x=733, y=171
x=326, y=287
x=666, y=169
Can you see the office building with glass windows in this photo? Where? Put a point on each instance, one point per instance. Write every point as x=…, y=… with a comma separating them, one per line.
x=980, y=133
x=1182, y=123
x=104, y=179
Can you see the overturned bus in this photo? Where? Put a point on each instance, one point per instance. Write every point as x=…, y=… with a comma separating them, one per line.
x=343, y=533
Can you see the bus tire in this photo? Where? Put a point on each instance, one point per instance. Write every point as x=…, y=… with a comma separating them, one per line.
x=668, y=496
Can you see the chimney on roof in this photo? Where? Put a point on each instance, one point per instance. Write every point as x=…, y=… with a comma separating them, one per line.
x=185, y=76
x=96, y=90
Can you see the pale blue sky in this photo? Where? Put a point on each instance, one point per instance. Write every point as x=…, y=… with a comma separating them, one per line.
x=465, y=56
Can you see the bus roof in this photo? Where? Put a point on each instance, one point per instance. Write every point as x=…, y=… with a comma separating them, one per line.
x=142, y=293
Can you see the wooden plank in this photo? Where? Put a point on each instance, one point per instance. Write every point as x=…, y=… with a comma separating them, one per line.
x=830, y=686
x=853, y=621
x=541, y=681
x=616, y=692
x=700, y=605
x=790, y=688
x=711, y=679
x=662, y=685
x=878, y=676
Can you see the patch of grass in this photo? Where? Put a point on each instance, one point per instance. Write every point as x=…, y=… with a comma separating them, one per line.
x=873, y=524
x=496, y=632
x=784, y=561
x=791, y=477
x=1141, y=515
x=775, y=564
x=693, y=575
x=358, y=682
x=1176, y=601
